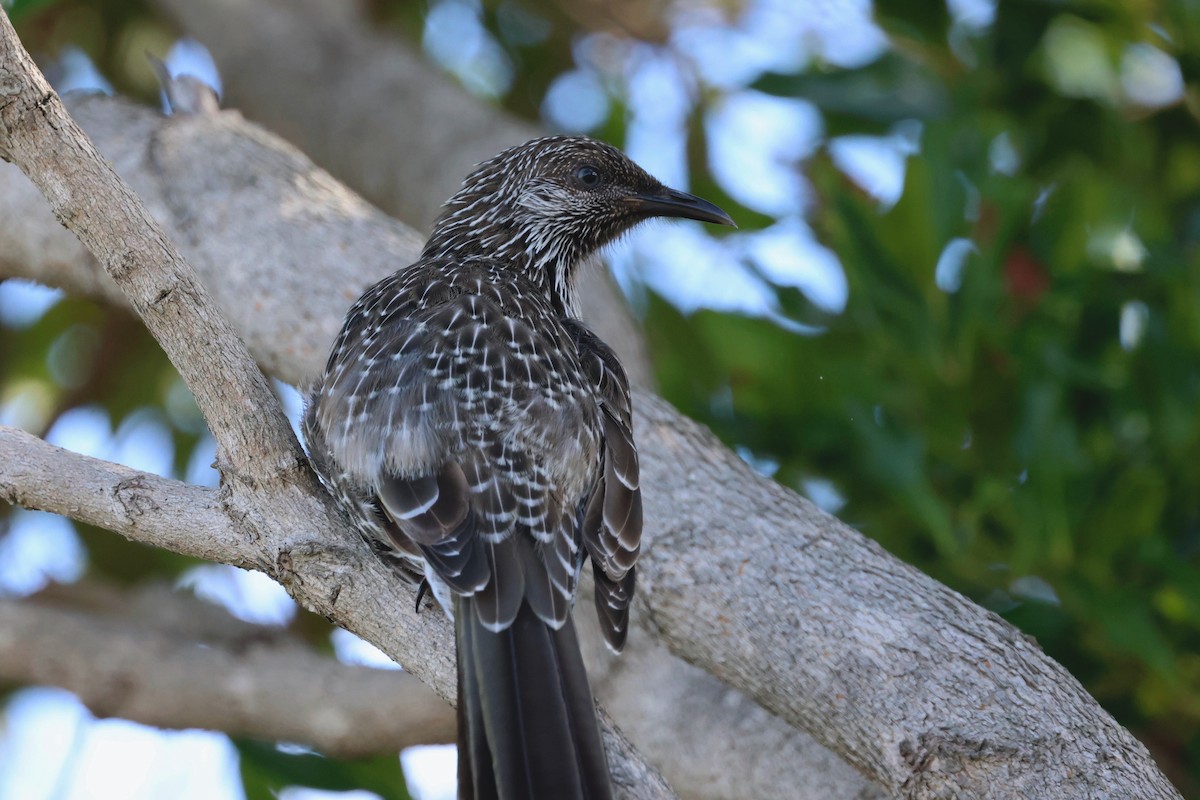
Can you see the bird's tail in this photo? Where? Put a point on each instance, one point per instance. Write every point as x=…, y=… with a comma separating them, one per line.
x=527, y=725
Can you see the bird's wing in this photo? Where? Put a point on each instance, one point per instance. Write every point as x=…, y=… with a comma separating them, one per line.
x=481, y=427
x=612, y=523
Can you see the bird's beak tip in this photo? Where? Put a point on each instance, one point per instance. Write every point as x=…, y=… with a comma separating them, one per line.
x=673, y=203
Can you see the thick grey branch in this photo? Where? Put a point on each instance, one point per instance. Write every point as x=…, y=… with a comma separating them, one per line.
x=263, y=688
x=917, y=686
x=928, y=694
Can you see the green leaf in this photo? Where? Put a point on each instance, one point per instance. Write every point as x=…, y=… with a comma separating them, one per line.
x=266, y=770
x=870, y=99
x=19, y=9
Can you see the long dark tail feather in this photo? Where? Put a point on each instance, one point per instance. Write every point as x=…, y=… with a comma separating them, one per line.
x=527, y=725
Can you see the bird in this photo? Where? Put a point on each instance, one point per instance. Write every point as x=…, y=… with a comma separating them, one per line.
x=480, y=436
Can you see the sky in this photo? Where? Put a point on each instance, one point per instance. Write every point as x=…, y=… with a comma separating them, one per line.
x=51, y=747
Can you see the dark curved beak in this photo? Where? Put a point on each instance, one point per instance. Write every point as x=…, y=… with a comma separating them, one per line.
x=672, y=203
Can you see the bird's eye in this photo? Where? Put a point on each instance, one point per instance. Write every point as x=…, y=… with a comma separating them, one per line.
x=588, y=175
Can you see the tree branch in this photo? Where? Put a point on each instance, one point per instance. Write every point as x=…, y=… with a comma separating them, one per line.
x=927, y=693
x=144, y=507
x=273, y=500
x=157, y=676
x=89, y=199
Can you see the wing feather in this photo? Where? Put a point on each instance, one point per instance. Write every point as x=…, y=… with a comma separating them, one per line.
x=612, y=518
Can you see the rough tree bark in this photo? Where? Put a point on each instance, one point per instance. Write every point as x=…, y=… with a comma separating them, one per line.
x=926, y=693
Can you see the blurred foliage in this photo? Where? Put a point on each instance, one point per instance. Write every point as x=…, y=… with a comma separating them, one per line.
x=267, y=769
x=999, y=435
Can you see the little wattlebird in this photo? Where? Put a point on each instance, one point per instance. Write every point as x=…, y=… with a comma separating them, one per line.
x=481, y=436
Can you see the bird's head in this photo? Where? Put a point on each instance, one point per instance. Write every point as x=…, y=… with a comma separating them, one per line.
x=549, y=203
